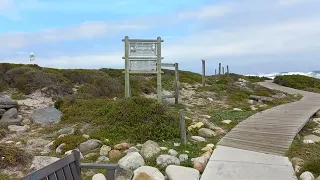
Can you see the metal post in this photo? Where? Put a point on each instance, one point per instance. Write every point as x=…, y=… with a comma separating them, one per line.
x=203, y=72
x=219, y=68
x=176, y=65
x=222, y=70
x=159, y=88
x=126, y=56
x=183, y=133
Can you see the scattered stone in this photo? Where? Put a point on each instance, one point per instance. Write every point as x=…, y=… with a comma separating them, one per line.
x=206, y=133
x=7, y=103
x=26, y=122
x=250, y=101
x=308, y=142
x=297, y=168
x=312, y=137
x=297, y=161
x=9, y=142
x=176, y=144
x=102, y=159
x=139, y=145
x=210, y=99
x=9, y=116
x=122, y=146
x=132, y=149
x=90, y=155
x=104, y=150
x=206, y=116
x=165, y=160
x=318, y=178
x=226, y=121
x=99, y=176
x=173, y=152
x=198, y=138
x=18, y=143
x=149, y=149
x=199, y=163
x=206, y=155
x=89, y=145
x=279, y=96
x=179, y=172
x=237, y=109
x=48, y=115
x=261, y=98
x=151, y=172
x=58, y=149
x=42, y=161
x=194, y=126
x=2, y=111
x=131, y=161
x=183, y=157
x=37, y=143
x=15, y=128
x=66, y=130
x=210, y=146
x=86, y=136
x=123, y=174
x=187, y=152
x=263, y=105
x=253, y=108
x=207, y=149
x=114, y=154
x=306, y=176
x=163, y=148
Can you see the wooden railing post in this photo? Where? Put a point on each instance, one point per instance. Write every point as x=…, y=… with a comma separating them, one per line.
x=203, y=73
x=176, y=83
x=227, y=69
x=222, y=70
x=219, y=68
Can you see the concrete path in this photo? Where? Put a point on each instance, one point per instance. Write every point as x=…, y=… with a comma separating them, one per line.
x=255, y=148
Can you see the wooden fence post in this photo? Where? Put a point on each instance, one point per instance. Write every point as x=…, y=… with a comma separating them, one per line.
x=227, y=69
x=177, y=83
x=126, y=56
x=215, y=72
x=159, y=88
x=183, y=133
x=222, y=70
x=203, y=73
x=219, y=68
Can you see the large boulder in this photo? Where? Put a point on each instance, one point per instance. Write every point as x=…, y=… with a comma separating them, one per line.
x=42, y=161
x=153, y=173
x=131, y=161
x=206, y=133
x=89, y=145
x=179, y=172
x=165, y=160
x=48, y=115
x=10, y=117
x=7, y=103
x=149, y=149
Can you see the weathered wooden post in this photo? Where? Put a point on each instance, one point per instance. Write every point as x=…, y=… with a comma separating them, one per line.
x=126, y=57
x=159, y=88
x=183, y=134
x=215, y=72
x=227, y=69
x=219, y=68
x=176, y=65
x=222, y=70
x=203, y=72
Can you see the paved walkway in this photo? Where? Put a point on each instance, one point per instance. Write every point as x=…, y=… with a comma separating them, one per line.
x=255, y=148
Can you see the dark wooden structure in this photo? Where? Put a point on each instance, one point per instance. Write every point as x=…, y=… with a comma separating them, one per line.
x=69, y=168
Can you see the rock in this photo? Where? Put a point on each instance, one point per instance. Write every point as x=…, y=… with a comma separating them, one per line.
x=210, y=146
x=263, y=105
x=318, y=178
x=207, y=149
x=279, y=96
x=132, y=149
x=86, y=136
x=114, y=154
x=308, y=142
x=176, y=144
x=122, y=146
x=9, y=115
x=187, y=152
x=297, y=168
x=90, y=155
x=18, y=143
x=226, y=121
x=206, y=133
x=297, y=161
x=250, y=101
x=165, y=160
x=89, y=145
x=261, y=98
x=37, y=143
x=58, y=149
x=15, y=128
x=9, y=142
x=194, y=126
x=316, y=120
x=42, y=161
x=179, y=172
x=123, y=174
x=104, y=150
x=198, y=138
x=199, y=164
x=253, y=108
x=220, y=132
x=149, y=149
x=237, y=109
x=102, y=159
x=173, y=152
x=163, y=148
x=306, y=176
x=2, y=111
x=44, y=116
x=66, y=130
x=131, y=161
x=26, y=122
x=183, y=157
x=206, y=155
x=153, y=173
x=206, y=116
x=312, y=137
x=7, y=103
x=99, y=176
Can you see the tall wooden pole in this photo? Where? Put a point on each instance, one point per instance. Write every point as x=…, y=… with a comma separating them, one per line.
x=215, y=72
x=227, y=69
x=126, y=56
x=159, y=88
x=222, y=70
x=203, y=72
x=176, y=65
x=219, y=68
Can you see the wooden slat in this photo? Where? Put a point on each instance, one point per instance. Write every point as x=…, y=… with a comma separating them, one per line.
x=67, y=173
x=52, y=176
x=74, y=171
x=60, y=175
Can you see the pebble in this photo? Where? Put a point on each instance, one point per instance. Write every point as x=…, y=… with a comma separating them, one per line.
x=163, y=148
x=173, y=152
x=210, y=146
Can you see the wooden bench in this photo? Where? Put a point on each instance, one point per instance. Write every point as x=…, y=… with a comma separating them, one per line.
x=69, y=168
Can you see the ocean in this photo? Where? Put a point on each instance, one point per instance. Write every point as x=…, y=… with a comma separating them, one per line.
x=315, y=74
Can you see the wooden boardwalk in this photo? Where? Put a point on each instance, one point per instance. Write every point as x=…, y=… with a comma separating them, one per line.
x=255, y=148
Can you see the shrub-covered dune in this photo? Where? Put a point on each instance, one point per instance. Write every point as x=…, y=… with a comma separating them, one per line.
x=301, y=82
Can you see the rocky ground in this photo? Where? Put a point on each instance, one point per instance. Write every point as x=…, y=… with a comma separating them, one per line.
x=33, y=124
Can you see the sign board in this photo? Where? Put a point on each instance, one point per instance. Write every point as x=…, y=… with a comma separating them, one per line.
x=141, y=48
x=142, y=65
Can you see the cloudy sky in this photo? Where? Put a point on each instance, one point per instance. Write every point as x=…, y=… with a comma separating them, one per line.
x=251, y=36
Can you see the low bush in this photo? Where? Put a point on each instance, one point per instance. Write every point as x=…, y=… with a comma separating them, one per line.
x=13, y=156
x=301, y=82
x=71, y=141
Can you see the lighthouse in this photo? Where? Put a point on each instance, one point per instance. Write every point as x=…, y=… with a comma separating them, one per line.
x=32, y=58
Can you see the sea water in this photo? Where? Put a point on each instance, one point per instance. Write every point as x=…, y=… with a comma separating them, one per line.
x=315, y=74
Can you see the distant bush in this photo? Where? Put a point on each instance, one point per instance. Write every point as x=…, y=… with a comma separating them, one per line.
x=301, y=82
x=13, y=156
x=82, y=76
x=135, y=120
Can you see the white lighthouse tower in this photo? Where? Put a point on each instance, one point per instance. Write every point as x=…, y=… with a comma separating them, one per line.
x=32, y=58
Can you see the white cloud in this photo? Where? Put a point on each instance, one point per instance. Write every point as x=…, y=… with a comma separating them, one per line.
x=293, y=2
x=206, y=12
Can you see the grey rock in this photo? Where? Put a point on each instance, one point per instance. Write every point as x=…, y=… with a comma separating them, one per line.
x=89, y=145
x=250, y=101
x=104, y=150
x=6, y=103
x=132, y=149
x=149, y=149
x=9, y=115
x=312, y=137
x=58, y=149
x=279, y=96
x=48, y=115
x=42, y=161
x=103, y=159
x=131, y=161
x=198, y=138
x=179, y=172
x=297, y=161
x=123, y=174
x=26, y=122
x=66, y=130
x=237, y=109
x=173, y=152
x=165, y=160
x=183, y=157
x=37, y=143
x=2, y=111
x=306, y=176
x=153, y=173
x=15, y=128
x=206, y=133
x=261, y=98
x=98, y=176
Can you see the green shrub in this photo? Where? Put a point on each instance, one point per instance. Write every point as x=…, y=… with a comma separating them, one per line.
x=299, y=82
x=72, y=141
x=18, y=96
x=13, y=156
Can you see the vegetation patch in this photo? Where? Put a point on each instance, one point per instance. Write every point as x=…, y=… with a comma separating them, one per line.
x=72, y=141
x=18, y=96
x=13, y=156
x=301, y=82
